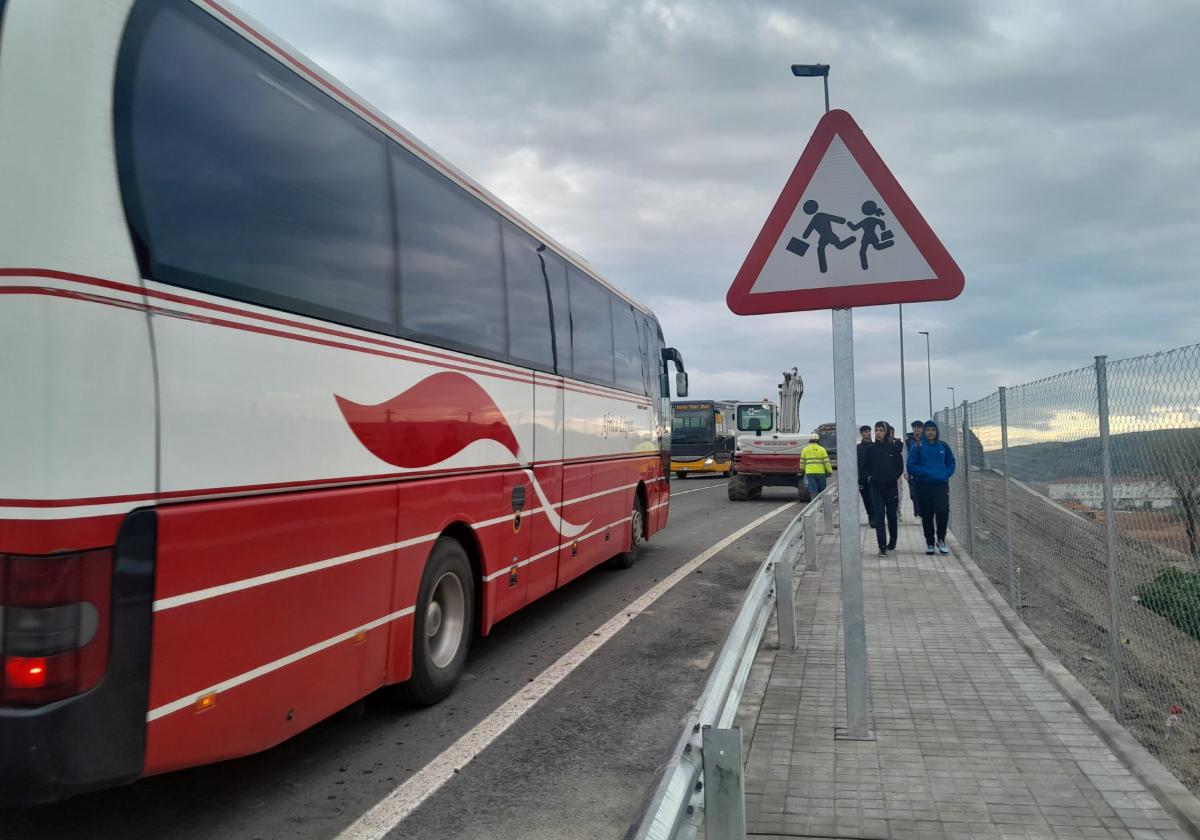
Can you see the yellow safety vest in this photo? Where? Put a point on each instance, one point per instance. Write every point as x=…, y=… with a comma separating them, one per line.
x=814, y=460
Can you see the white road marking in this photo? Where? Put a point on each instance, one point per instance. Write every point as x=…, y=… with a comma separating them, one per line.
x=698, y=489
x=405, y=799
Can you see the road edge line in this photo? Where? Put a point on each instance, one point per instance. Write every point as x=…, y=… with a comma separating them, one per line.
x=388, y=813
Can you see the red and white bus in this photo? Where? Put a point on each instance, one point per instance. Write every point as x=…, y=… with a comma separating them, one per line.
x=291, y=408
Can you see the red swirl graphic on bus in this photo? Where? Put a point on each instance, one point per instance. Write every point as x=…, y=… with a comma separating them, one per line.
x=429, y=423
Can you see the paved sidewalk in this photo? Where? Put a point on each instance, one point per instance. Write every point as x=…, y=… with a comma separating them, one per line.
x=973, y=741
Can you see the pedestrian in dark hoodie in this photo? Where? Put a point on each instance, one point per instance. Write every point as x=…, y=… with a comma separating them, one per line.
x=864, y=491
x=891, y=438
x=885, y=465
x=930, y=465
x=910, y=440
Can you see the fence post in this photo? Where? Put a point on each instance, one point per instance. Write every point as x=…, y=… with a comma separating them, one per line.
x=966, y=456
x=1014, y=594
x=724, y=789
x=1110, y=528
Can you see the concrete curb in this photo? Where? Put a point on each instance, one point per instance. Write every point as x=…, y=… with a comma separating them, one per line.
x=1176, y=799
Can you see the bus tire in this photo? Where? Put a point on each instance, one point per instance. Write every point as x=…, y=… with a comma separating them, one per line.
x=738, y=488
x=637, y=535
x=679, y=474
x=443, y=622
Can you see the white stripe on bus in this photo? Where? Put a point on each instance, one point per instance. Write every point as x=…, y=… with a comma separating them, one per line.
x=319, y=565
x=263, y=670
x=549, y=551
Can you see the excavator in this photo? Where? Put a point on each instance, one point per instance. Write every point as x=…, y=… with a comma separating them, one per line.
x=768, y=443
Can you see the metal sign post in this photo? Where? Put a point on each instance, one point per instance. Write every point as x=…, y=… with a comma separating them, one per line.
x=843, y=233
x=854, y=627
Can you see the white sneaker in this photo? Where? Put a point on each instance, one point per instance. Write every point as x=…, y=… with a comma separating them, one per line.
x=941, y=546
x=929, y=549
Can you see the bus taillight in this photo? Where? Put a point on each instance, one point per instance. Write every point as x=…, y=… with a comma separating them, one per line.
x=54, y=616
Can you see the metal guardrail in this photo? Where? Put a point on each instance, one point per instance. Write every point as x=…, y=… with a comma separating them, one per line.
x=679, y=801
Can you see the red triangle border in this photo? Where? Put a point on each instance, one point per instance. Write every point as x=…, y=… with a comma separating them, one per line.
x=947, y=282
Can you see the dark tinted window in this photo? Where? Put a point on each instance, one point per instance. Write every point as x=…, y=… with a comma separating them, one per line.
x=627, y=349
x=649, y=356
x=556, y=272
x=529, y=337
x=451, y=282
x=591, y=323
x=246, y=180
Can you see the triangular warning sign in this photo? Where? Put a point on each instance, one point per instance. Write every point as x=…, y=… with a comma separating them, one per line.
x=843, y=233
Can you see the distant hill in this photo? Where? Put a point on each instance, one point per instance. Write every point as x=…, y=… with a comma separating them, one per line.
x=1133, y=454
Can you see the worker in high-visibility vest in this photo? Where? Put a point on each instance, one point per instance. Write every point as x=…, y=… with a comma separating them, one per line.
x=814, y=464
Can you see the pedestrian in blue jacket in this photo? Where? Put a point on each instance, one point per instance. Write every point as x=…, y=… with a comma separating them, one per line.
x=930, y=465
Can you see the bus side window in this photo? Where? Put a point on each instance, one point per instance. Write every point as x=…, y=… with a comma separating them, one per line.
x=592, y=329
x=529, y=337
x=242, y=179
x=626, y=347
x=451, y=282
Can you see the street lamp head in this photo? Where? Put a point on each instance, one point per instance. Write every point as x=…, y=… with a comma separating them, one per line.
x=923, y=332
x=810, y=69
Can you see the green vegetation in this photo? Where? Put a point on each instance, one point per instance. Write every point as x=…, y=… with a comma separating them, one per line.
x=1175, y=595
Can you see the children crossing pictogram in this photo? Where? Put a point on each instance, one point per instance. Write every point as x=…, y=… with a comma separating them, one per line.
x=841, y=195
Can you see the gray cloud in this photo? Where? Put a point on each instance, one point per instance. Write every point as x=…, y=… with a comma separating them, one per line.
x=1053, y=146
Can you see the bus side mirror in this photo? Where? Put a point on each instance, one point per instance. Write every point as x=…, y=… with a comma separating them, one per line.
x=681, y=385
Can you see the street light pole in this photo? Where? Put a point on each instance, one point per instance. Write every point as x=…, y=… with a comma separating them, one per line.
x=903, y=391
x=928, y=369
x=854, y=629
x=953, y=401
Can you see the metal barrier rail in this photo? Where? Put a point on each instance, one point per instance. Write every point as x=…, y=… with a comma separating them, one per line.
x=679, y=801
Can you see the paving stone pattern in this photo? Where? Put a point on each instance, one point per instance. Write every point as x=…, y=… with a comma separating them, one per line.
x=972, y=740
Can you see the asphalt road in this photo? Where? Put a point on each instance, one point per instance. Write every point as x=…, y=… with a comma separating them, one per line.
x=577, y=764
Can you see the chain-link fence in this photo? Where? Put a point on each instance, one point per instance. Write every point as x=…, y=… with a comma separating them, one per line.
x=1079, y=497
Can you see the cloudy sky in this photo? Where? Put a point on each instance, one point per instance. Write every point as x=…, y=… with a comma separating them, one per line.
x=1053, y=146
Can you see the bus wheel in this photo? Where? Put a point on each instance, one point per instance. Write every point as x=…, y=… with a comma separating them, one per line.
x=637, y=535
x=681, y=474
x=726, y=474
x=442, y=625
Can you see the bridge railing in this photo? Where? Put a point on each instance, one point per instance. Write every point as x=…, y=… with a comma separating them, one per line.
x=702, y=781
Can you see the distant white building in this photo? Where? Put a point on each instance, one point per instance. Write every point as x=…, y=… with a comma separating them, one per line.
x=1128, y=494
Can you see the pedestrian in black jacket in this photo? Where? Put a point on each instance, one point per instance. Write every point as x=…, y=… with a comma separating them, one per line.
x=884, y=466
x=864, y=433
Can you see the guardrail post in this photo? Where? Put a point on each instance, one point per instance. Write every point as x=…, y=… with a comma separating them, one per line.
x=724, y=787
x=785, y=608
x=1110, y=528
x=810, y=541
x=1014, y=594
x=827, y=510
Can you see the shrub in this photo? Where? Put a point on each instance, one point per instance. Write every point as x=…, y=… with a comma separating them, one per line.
x=1175, y=595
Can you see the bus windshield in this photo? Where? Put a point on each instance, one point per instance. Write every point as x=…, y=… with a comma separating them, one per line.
x=748, y=413
x=692, y=426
